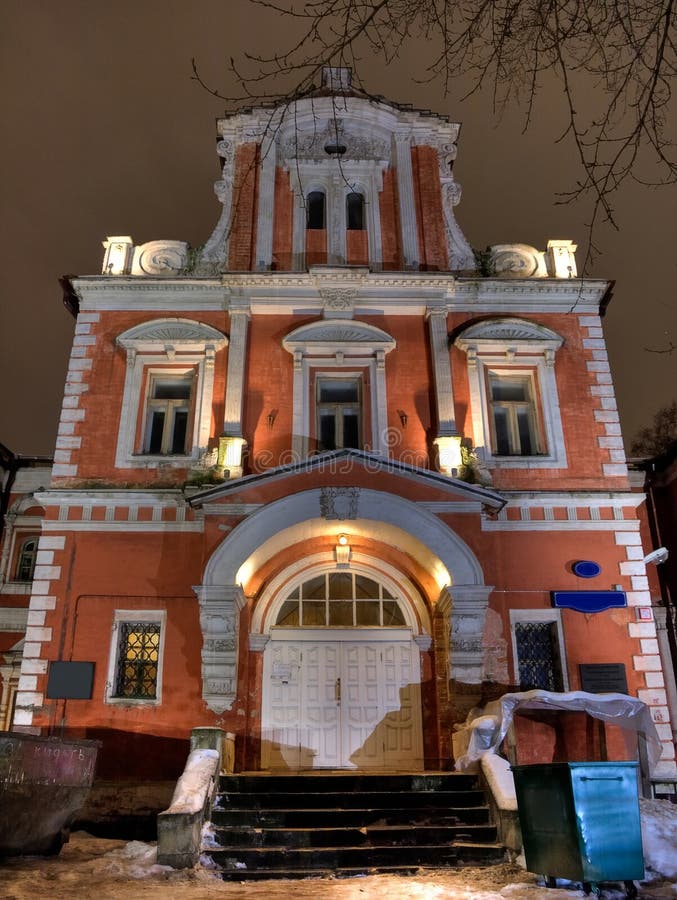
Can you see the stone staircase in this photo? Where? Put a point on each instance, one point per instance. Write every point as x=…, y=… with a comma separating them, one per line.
x=295, y=826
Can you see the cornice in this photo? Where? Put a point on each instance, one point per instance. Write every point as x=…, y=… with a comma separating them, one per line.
x=296, y=292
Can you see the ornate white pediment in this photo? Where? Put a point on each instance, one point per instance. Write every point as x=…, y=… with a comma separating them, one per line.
x=331, y=336
x=181, y=334
x=497, y=334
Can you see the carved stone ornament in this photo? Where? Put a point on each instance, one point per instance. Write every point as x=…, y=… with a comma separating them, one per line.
x=339, y=503
x=518, y=261
x=312, y=146
x=338, y=303
x=160, y=258
x=332, y=332
x=179, y=334
x=506, y=331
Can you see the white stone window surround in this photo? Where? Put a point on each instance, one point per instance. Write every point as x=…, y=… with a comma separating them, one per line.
x=325, y=347
x=525, y=348
x=146, y=616
x=542, y=616
x=336, y=181
x=166, y=347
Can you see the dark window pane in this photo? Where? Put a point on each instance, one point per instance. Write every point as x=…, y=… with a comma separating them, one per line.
x=351, y=430
x=502, y=432
x=386, y=594
x=157, y=424
x=315, y=210
x=355, y=212
x=341, y=613
x=289, y=614
x=340, y=586
x=524, y=429
x=509, y=390
x=314, y=588
x=314, y=613
x=366, y=587
x=328, y=430
x=179, y=435
x=392, y=614
x=172, y=389
x=338, y=391
x=295, y=594
x=368, y=612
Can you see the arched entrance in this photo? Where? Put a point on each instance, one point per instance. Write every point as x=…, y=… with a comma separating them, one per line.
x=341, y=673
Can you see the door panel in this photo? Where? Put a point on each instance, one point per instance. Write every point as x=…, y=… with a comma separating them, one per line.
x=333, y=704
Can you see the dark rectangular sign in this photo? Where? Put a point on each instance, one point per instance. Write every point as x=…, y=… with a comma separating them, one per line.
x=70, y=680
x=603, y=678
x=588, y=601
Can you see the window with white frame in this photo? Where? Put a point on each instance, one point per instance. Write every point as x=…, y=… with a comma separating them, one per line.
x=339, y=412
x=168, y=413
x=514, y=400
x=167, y=400
x=135, y=669
x=538, y=650
x=25, y=559
x=514, y=421
x=322, y=352
x=340, y=600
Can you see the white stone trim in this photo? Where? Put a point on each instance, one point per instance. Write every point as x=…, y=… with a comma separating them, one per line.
x=151, y=616
x=522, y=346
x=271, y=598
x=13, y=618
x=170, y=347
x=338, y=344
x=220, y=607
x=266, y=204
x=232, y=421
x=407, y=203
x=444, y=390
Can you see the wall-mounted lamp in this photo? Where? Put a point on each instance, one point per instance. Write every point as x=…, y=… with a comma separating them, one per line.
x=272, y=415
x=404, y=418
x=342, y=551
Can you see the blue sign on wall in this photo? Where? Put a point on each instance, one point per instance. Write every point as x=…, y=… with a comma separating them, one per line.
x=588, y=601
x=586, y=568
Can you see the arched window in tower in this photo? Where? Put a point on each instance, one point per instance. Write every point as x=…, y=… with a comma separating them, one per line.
x=315, y=211
x=25, y=564
x=355, y=211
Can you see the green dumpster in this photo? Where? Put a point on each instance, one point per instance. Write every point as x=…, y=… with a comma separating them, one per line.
x=580, y=821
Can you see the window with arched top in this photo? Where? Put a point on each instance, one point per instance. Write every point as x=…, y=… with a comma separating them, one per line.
x=355, y=211
x=340, y=600
x=25, y=563
x=315, y=211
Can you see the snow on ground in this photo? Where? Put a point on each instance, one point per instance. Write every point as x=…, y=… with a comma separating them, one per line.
x=115, y=870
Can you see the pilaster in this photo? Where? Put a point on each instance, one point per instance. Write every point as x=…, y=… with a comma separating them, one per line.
x=220, y=606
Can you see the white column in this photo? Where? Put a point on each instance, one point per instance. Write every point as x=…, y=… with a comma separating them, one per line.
x=266, y=206
x=231, y=442
x=444, y=392
x=405, y=188
x=661, y=617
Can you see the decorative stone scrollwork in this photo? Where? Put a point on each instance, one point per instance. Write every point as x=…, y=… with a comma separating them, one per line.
x=338, y=303
x=160, y=258
x=219, y=612
x=518, y=261
x=340, y=503
x=312, y=146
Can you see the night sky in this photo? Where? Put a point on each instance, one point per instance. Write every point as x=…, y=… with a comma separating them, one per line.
x=105, y=133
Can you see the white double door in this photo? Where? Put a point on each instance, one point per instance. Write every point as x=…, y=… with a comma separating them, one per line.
x=341, y=704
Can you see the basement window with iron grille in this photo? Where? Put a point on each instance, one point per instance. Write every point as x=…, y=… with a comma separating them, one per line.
x=137, y=663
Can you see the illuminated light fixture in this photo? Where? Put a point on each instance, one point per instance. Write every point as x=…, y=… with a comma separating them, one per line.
x=342, y=551
x=449, y=454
